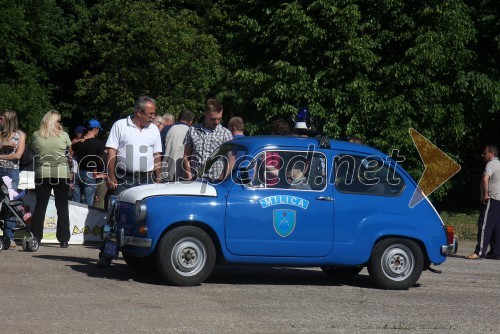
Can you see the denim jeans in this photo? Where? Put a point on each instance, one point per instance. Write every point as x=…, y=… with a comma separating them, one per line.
x=85, y=184
x=13, y=174
x=8, y=225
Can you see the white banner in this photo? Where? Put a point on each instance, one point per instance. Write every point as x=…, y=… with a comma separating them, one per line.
x=84, y=222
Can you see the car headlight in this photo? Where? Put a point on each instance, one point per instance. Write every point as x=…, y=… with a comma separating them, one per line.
x=111, y=203
x=140, y=210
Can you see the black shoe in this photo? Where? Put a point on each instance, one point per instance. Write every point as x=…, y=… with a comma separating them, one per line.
x=104, y=262
x=492, y=256
x=64, y=244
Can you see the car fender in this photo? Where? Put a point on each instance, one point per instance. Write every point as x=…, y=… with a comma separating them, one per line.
x=166, y=212
x=428, y=234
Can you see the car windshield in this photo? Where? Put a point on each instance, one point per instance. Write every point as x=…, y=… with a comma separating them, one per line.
x=221, y=163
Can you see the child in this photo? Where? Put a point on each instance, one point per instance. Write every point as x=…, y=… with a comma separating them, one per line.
x=23, y=211
x=296, y=176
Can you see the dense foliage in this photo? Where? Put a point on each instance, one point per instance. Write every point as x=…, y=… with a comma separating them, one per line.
x=367, y=68
x=134, y=48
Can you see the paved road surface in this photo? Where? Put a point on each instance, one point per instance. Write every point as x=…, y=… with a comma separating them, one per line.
x=61, y=291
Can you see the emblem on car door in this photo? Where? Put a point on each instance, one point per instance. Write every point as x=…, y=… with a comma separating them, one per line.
x=284, y=221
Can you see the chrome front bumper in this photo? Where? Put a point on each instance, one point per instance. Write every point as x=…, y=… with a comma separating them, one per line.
x=450, y=249
x=123, y=240
x=135, y=241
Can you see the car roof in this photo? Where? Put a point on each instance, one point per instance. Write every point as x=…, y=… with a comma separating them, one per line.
x=283, y=142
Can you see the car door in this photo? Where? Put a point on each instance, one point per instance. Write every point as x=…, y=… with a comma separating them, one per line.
x=365, y=186
x=278, y=216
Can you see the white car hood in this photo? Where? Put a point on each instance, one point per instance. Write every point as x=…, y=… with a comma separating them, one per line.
x=159, y=189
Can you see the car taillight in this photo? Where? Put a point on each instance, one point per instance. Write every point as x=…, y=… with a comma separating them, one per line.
x=450, y=234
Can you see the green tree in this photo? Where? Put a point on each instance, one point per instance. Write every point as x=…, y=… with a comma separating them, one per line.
x=35, y=47
x=478, y=90
x=367, y=68
x=142, y=48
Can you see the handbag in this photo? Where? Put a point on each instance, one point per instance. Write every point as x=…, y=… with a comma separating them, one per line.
x=26, y=161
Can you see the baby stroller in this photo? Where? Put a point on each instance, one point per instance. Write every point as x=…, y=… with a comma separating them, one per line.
x=14, y=211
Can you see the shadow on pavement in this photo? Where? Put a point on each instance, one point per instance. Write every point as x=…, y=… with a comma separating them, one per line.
x=223, y=274
x=117, y=271
x=231, y=274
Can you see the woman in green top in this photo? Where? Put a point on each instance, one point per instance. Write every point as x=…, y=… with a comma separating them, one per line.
x=51, y=145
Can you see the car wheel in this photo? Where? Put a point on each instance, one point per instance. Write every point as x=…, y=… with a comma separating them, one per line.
x=396, y=264
x=145, y=264
x=6, y=242
x=341, y=273
x=185, y=256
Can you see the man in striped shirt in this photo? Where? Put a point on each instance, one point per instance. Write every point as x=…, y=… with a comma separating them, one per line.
x=203, y=139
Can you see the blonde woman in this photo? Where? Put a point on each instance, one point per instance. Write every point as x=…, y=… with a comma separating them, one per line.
x=51, y=145
x=12, y=144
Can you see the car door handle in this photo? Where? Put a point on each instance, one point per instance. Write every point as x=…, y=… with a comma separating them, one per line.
x=325, y=198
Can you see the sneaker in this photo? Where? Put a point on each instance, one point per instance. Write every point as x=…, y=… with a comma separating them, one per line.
x=12, y=244
x=103, y=262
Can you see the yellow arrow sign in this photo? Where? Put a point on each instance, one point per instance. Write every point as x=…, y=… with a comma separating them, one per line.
x=439, y=167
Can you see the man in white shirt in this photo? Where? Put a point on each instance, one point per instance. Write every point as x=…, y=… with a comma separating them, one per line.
x=134, y=148
x=489, y=218
x=134, y=153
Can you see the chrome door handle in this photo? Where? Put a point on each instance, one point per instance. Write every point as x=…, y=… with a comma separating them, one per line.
x=325, y=198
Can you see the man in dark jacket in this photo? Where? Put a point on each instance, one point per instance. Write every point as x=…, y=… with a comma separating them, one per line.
x=89, y=155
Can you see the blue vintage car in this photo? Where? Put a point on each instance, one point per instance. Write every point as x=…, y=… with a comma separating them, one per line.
x=283, y=201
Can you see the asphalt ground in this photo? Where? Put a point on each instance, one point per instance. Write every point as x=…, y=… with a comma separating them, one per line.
x=58, y=290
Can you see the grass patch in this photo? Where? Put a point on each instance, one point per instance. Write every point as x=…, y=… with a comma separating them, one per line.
x=465, y=224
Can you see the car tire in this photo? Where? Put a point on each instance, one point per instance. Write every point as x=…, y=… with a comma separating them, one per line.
x=5, y=242
x=396, y=264
x=145, y=264
x=185, y=256
x=341, y=273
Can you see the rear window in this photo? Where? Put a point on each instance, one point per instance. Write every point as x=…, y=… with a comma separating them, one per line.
x=368, y=175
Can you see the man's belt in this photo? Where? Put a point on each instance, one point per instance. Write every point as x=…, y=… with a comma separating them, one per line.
x=121, y=173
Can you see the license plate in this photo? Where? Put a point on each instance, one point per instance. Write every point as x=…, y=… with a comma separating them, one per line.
x=110, y=249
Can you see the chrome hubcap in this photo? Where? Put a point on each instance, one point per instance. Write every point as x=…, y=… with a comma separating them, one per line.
x=397, y=262
x=189, y=256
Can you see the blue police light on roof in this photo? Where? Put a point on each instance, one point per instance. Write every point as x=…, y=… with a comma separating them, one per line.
x=302, y=117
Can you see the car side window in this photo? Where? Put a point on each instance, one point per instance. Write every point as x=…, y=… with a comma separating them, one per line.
x=298, y=170
x=367, y=175
x=221, y=162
